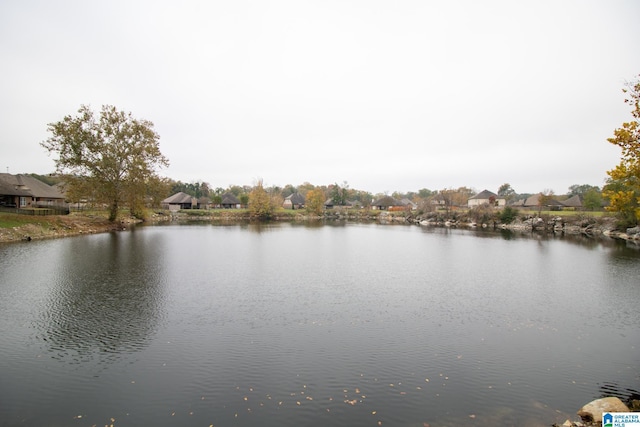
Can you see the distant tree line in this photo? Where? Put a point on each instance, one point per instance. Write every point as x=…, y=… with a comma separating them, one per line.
x=112, y=159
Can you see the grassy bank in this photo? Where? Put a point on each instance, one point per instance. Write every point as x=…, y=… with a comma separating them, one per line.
x=16, y=227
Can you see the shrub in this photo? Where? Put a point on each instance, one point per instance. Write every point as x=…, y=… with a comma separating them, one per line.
x=508, y=215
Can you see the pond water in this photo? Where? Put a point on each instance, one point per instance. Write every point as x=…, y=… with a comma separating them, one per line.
x=341, y=325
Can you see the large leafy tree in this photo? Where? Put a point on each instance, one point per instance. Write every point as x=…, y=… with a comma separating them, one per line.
x=339, y=194
x=506, y=191
x=623, y=185
x=113, y=155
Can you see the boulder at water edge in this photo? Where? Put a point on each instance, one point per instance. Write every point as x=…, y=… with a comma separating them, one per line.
x=592, y=411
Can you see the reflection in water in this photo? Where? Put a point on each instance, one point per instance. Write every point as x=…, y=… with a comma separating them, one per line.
x=106, y=300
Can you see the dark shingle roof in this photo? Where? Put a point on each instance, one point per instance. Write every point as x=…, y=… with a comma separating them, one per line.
x=386, y=201
x=229, y=199
x=178, y=198
x=484, y=195
x=296, y=199
x=573, y=202
x=25, y=185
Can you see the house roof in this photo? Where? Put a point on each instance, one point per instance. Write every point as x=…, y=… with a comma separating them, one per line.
x=573, y=202
x=229, y=199
x=25, y=185
x=533, y=201
x=407, y=202
x=178, y=199
x=386, y=201
x=296, y=198
x=484, y=195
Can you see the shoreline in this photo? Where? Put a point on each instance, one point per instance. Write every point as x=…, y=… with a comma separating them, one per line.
x=29, y=228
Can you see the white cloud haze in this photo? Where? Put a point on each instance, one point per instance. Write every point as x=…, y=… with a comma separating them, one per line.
x=388, y=96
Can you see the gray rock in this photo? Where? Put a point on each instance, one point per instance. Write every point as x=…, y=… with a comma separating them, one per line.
x=634, y=230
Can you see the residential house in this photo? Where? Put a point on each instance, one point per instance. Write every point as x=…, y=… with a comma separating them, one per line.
x=180, y=201
x=385, y=203
x=294, y=201
x=409, y=204
x=573, y=202
x=230, y=201
x=27, y=192
x=486, y=197
x=534, y=202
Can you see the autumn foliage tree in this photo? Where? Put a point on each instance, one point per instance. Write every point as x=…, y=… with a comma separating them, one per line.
x=260, y=204
x=623, y=185
x=111, y=158
x=314, y=202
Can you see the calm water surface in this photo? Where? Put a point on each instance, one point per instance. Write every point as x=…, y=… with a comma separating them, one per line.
x=289, y=325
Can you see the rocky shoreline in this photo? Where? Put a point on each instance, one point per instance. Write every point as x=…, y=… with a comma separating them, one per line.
x=78, y=224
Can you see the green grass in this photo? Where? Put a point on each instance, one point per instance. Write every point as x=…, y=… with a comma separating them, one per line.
x=594, y=214
x=11, y=220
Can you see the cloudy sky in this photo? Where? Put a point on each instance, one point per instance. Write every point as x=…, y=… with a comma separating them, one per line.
x=385, y=95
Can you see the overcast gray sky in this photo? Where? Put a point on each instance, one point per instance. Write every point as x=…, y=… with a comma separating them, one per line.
x=385, y=95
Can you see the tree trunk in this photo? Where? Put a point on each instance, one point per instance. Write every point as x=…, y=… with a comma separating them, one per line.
x=113, y=211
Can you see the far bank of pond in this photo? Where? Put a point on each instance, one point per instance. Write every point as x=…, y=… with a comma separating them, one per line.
x=16, y=227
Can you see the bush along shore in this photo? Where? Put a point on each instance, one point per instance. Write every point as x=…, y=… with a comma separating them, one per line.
x=14, y=227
